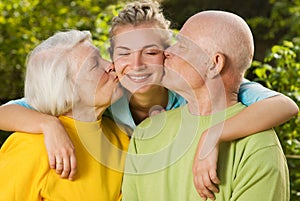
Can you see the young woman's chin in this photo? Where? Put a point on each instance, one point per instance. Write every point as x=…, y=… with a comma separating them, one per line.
x=145, y=89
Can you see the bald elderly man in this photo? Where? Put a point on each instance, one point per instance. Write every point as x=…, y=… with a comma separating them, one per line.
x=206, y=67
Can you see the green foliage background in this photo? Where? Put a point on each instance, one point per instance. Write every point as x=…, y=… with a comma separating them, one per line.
x=280, y=71
x=24, y=23
x=276, y=28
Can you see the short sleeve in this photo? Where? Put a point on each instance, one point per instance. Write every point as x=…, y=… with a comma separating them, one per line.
x=22, y=102
x=265, y=179
x=251, y=92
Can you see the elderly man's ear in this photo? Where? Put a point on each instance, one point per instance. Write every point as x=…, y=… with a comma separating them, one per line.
x=219, y=62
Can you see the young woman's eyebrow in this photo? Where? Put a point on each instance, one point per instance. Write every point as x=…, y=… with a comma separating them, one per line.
x=150, y=46
x=144, y=47
x=122, y=47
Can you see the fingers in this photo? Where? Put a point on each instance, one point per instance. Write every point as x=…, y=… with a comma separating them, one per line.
x=59, y=165
x=69, y=168
x=60, y=148
x=205, y=175
x=64, y=163
x=52, y=162
x=205, y=170
x=73, y=167
x=66, y=168
x=214, y=178
x=206, y=183
x=198, y=186
x=205, y=187
x=209, y=185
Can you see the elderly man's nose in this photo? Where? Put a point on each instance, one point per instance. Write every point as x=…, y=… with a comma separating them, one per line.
x=167, y=52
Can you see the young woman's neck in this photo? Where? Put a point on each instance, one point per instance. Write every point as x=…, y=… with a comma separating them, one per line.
x=141, y=103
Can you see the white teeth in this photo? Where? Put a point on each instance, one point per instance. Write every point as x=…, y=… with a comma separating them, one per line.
x=137, y=78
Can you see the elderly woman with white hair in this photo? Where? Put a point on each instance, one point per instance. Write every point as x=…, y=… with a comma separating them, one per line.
x=66, y=77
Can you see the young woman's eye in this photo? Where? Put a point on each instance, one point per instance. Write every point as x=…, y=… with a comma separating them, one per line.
x=123, y=54
x=152, y=52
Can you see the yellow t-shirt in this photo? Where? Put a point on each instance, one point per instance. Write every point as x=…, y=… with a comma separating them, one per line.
x=26, y=176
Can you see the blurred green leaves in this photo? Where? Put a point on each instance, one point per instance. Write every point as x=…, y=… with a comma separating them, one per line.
x=25, y=23
x=280, y=71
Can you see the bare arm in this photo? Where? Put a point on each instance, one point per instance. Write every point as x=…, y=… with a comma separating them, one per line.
x=58, y=144
x=17, y=118
x=259, y=116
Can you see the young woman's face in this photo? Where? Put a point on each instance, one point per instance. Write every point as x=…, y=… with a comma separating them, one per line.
x=96, y=82
x=138, y=57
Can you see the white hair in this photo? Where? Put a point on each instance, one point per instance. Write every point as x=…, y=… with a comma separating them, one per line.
x=48, y=82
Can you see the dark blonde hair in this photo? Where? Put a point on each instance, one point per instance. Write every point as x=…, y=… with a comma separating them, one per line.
x=138, y=13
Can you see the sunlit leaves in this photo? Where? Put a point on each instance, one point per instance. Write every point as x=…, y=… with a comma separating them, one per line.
x=25, y=23
x=281, y=71
x=102, y=27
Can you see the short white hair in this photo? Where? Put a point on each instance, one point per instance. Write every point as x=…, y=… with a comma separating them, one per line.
x=48, y=82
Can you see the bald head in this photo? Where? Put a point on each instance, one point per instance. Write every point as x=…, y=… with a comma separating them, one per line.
x=224, y=32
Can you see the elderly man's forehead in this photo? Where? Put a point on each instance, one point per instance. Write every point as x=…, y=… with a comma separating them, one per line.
x=188, y=40
x=190, y=32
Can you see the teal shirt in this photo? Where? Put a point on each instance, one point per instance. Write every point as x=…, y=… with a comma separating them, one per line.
x=161, y=152
x=120, y=111
x=250, y=92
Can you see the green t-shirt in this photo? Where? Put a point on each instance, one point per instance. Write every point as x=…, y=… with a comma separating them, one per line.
x=162, y=149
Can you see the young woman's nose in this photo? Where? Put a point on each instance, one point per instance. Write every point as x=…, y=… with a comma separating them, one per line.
x=137, y=60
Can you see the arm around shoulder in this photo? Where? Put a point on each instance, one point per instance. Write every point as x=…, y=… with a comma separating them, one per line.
x=287, y=107
x=271, y=112
x=18, y=118
x=59, y=146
